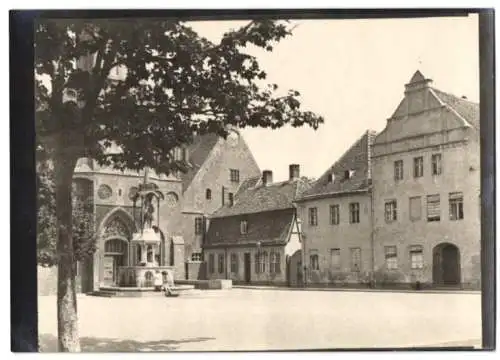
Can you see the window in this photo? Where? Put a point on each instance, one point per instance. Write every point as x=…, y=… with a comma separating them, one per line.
x=415, y=208
x=417, y=257
x=313, y=216
x=230, y=198
x=234, y=175
x=334, y=214
x=433, y=208
x=354, y=213
x=234, y=263
x=391, y=211
x=418, y=167
x=260, y=262
x=314, y=259
x=197, y=256
x=198, y=225
x=355, y=259
x=398, y=170
x=456, y=206
x=335, y=258
x=275, y=265
x=211, y=263
x=221, y=263
x=436, y=164
x=243, y=227
x=391, y=257
x=208, y=194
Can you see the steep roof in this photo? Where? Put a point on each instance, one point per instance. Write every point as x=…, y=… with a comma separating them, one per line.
x=198, y=153
x=254, y=197
x=467, y=109
x=356, y=161
x=268, y=228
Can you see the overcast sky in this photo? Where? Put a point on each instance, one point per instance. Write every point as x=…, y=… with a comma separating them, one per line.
x=353, y=73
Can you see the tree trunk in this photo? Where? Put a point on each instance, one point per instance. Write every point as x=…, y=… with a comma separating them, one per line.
x=67, y=319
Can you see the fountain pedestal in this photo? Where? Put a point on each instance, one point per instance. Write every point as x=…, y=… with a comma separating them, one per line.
x=146, y=268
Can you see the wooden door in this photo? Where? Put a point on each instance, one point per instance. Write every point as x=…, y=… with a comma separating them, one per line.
x=248, y=270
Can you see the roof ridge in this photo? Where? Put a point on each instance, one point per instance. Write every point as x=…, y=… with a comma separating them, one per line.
x=460, y=98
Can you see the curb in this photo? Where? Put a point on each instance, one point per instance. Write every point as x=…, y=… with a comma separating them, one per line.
x=409, y=291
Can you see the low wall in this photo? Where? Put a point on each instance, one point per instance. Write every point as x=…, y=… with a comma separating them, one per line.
x=47, y=281
x=207, y=284
x=196, y=270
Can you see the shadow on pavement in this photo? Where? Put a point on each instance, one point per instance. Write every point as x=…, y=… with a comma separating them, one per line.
x=48, y=343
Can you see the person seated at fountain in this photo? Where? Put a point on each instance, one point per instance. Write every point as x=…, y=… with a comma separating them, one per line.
x=168, y=286
x=158, y=281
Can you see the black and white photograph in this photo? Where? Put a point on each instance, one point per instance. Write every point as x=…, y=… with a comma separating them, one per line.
x=260, y=183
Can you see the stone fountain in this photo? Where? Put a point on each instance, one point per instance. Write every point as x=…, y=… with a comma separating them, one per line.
x=144, y=271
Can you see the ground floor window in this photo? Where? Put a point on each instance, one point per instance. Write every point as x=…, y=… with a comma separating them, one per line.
x=314, y=259
x=260, y=262
x=391, y=257
x=234, y=263
x=275, y=264
x=335, y=258
x=417, y=257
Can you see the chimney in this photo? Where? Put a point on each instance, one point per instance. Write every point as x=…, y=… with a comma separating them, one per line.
x=267, y=177
x=294, y=171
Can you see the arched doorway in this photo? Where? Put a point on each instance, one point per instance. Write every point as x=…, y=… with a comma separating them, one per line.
x=446, y=264
x=115, y=255
x=115, y=234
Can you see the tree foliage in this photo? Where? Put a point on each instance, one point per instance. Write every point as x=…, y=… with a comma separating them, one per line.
x=84, y=239
x=177, y=84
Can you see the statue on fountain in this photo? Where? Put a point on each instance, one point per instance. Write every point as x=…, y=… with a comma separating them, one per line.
x=148, y=211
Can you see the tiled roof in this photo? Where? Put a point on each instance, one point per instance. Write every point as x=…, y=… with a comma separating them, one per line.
x=465, y=108
x=198, y=153
x=355, y=160
x=254, y=197
x=269, y=227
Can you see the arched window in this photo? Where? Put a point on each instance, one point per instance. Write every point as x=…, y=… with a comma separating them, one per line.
x=208, y=194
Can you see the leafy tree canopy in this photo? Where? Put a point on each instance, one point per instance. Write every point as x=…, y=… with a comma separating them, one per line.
x=151, y=86
x=83, y=230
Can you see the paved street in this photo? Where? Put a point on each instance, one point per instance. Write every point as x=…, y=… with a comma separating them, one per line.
x=242, y=319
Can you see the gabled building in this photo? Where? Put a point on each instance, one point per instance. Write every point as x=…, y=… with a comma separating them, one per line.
x=426, y=188
x=254, y=238
x=217, y=169
x=336, y=218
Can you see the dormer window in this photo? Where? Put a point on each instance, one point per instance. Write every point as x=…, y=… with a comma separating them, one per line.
x=348, y=174
x=331, y=178
x=243, y=227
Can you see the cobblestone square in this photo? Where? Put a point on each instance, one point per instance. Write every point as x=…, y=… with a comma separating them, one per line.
x=247, y=319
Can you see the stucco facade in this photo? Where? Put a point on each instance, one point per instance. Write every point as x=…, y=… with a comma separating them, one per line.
x=428, y=127
x=417, y=184
x=253, y=239
x=326, y=240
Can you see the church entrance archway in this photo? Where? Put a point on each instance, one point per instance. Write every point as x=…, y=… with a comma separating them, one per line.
x=446, y=265
x=115, y=255
x=116, y=233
